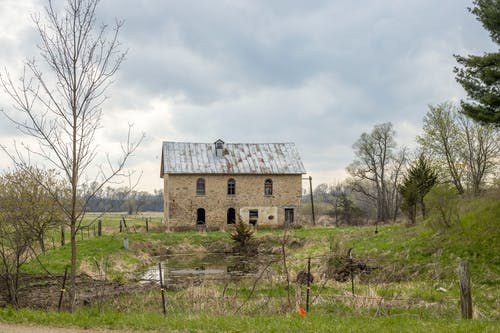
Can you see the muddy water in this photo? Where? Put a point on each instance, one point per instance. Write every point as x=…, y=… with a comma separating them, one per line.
x=182, y=270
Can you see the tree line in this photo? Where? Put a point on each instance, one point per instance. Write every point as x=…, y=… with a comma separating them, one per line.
x=458, y=149
x=455, y=153
x=123, y=199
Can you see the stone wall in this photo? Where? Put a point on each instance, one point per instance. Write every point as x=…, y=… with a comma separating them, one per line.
x=182, y=202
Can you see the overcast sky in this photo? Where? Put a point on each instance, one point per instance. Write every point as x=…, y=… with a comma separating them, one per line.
x=317, y=73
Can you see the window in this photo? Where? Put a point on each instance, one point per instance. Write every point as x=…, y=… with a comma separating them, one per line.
x=200, y=186
x=268, y=187
x=253, y=216
x=219, y=144
x=231, y=187
x=219, y=148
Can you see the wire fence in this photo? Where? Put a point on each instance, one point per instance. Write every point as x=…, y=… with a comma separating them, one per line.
x=309, y=286
x=277, y=282
x=266, y=287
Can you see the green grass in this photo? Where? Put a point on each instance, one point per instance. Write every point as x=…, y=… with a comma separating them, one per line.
x=55, y=260
x=409, y=263
x=96, y=248
x=292, y=322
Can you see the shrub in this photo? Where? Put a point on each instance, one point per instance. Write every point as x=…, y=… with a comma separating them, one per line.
x=242, y=233
x=442, y=202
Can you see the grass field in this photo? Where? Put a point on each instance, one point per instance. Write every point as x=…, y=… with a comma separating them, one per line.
x=314, y=322
x=410, y=286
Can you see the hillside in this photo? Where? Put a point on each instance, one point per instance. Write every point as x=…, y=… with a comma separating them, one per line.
x=401, y=275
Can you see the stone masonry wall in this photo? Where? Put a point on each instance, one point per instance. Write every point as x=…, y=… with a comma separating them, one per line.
x=182, y=202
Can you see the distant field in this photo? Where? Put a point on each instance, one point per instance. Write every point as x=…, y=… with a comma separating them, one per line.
x=135, y=222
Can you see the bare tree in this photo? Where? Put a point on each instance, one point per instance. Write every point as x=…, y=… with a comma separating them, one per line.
x=344, y=207
x=23, y=224
x=376, y=169
x=15, y=241
x=26, y=201
x=441, y=140
x=397, y=166
x=465, y=151
x=60, y=106
x=479, y=149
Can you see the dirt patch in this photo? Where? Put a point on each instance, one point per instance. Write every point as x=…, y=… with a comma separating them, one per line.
x=43, y=291
x=339, y=268
x=16, y=328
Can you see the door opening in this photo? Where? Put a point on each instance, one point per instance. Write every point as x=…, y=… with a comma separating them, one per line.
x=289, y=215
x=231, y=216
x=200, y=216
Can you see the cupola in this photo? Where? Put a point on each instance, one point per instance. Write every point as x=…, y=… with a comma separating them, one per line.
x=219, y=148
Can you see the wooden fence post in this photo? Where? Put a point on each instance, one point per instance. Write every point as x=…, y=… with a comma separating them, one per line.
x=99, y=228
x=312, y=200
x=162, y=288
x=465, y=290
x=63, y=289
x=351, y=269
x=147, y=225
x=308, y=283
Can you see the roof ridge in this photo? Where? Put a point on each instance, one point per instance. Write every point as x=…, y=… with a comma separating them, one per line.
x=239, y=158
x=233, y=143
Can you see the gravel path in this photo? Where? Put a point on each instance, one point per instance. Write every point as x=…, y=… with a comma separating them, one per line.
x=12, y=328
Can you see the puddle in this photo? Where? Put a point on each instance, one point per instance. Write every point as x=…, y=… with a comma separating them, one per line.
x=152, y=274
x=181, y=272
x=182, y=269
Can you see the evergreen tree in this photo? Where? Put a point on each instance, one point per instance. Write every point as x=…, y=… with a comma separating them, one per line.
x=242, y=233
x=417, y=183
x=409, y=193
x=480, y=75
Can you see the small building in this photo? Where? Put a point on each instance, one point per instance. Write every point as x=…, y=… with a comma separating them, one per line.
x=212, y=184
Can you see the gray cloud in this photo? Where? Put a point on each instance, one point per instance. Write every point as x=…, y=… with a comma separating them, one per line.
x=316, y=73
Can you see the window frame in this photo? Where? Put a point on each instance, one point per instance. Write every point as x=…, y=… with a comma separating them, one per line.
x=231, y=186
x=200, y=186
x=268, y=187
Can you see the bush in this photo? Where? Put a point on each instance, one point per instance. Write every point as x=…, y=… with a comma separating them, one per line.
x=442, y=202
x=242, y=234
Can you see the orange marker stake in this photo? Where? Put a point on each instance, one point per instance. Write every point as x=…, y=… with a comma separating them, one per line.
x=302, y=312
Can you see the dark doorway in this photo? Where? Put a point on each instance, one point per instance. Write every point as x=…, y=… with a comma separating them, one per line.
x=200, y=216
x=231, y=216
x=289, y=215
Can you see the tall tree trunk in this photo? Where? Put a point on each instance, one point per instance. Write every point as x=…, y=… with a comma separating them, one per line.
x=72, y=277
x=12, y=290
x=422, y=208
x=41, y=241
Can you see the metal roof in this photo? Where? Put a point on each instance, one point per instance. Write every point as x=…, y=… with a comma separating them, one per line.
x=235, y=158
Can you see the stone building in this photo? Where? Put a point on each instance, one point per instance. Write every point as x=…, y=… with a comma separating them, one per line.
x=210, y=184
